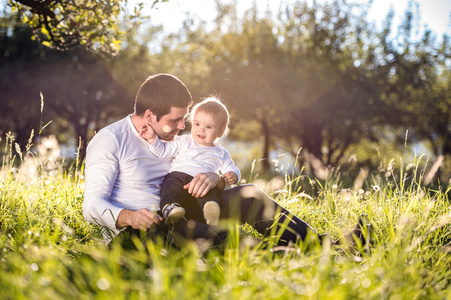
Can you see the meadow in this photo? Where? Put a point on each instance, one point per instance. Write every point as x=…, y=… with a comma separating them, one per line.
x=48, y=251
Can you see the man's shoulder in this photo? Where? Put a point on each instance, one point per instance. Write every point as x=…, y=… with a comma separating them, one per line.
x=115, y=129
x=112, y=132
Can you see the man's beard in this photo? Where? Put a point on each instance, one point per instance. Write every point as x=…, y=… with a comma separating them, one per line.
x=169, y=136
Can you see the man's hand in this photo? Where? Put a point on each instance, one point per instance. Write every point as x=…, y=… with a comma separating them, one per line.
x=147, y=133
x=202, y=183
x=138, y=219
x=231, y=177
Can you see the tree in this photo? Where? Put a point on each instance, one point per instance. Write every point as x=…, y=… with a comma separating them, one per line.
x=63, y=24
x=336, y=98
x=20, y=102
x=304, y=79
x=417, y=92
x=307, y=79
x=20, y=99
x=83, y=95
x=250, y=73
x=80, y=93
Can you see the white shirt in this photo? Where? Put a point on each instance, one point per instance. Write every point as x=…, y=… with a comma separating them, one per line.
x=192, y=158
x=120, y=172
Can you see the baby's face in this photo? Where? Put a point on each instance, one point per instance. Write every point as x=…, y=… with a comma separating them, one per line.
x=205, y=129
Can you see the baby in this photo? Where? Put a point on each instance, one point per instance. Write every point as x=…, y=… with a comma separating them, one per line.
x=193, y=154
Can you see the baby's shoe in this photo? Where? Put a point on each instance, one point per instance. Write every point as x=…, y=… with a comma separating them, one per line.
x=172, y=213
x=211, y=213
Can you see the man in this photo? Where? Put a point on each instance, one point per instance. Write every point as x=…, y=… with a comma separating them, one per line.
x=123, y=178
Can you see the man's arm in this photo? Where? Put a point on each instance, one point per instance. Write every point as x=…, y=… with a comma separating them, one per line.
x=102, y=167
x=138, y=219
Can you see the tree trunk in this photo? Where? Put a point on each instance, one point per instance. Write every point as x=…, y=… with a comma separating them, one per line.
x=314, y=142
x=266, y=144
x=446, y=153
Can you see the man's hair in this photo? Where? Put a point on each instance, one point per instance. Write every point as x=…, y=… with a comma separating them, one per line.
x=214, y=107
x=159, y=93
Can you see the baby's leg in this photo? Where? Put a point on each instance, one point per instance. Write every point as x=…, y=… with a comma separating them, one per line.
x=172, y=193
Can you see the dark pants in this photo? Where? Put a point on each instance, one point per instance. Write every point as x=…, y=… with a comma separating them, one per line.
x=172, y=191
x=246, y=204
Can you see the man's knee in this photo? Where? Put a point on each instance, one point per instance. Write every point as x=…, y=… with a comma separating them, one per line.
x=258, y=197
x=251, y=191
x=255, y=204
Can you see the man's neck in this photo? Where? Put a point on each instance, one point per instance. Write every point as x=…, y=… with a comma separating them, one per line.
x=138, y=121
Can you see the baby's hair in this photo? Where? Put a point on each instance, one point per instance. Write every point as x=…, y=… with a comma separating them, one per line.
x=213, y=106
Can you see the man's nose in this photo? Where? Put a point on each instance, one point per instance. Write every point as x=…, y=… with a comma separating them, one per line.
x=181, y=125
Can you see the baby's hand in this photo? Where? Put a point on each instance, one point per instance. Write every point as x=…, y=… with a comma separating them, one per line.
x=231, y=177
x=147, y=133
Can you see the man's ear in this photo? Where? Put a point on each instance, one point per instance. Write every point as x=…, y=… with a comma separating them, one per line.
x=150, y=116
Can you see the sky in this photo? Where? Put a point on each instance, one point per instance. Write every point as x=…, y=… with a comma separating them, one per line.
x=434, y=14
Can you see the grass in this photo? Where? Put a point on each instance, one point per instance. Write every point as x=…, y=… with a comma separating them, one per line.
x=48, y=251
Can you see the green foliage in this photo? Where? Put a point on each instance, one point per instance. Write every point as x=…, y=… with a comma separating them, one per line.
x=418, y=88
x=334, y=102
x=47, y=250
x=64, y=24
x=79, y=91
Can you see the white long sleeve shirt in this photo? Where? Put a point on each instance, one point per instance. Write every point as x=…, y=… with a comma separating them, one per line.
x=191, y=158
x=120, y=172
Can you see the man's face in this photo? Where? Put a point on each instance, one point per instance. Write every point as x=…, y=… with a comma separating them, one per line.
x=169, y=125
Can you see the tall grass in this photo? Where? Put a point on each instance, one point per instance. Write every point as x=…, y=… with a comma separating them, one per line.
x=48, y=251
